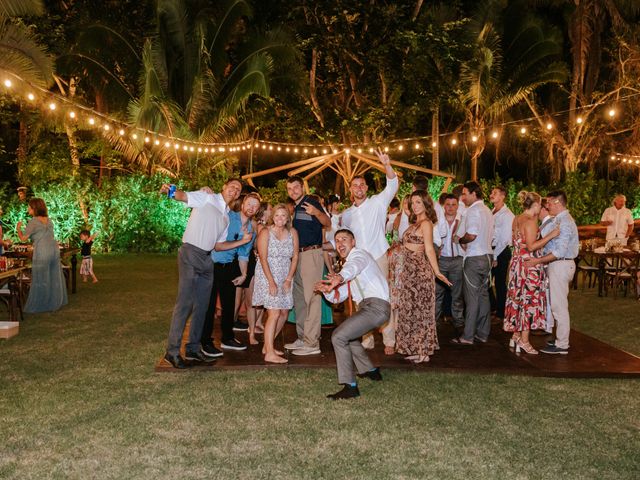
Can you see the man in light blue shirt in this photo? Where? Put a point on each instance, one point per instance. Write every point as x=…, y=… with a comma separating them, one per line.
x=230, y=260
x=560, y=254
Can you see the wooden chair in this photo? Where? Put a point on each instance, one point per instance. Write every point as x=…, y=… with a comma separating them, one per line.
x=624, y=273
x=10, y=294
x=588, y=267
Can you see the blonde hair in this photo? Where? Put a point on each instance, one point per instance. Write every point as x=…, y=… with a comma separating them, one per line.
x=526, y=199
x=281, y=206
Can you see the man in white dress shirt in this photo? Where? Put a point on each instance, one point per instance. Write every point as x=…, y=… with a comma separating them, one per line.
x=206, y=225
x=361, y=276
x=476, y=266
x=501, y=243
x=450, y=263
x=618, y=220
x=366, y=218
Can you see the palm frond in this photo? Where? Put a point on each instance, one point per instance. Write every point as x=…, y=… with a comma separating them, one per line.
x=17, y=8
x=21, y=55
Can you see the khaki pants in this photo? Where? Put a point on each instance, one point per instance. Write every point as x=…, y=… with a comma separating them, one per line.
x=306, y=302
x=388, y=330
x=560, y=276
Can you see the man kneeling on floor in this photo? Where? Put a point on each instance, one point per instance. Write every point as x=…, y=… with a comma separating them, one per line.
x=360, y=276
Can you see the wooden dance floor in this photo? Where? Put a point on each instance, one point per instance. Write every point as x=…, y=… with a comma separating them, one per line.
x=587, y=358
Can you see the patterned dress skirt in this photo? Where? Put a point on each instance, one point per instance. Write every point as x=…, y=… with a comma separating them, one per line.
x=526, y=304
x=416, y=299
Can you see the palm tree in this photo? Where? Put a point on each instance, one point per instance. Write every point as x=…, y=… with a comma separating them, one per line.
x=22, y=56
x=199, y=71
x=513, y=54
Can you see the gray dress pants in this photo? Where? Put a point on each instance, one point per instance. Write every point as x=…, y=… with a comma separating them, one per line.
x=372, y=313
x=195, y=270
x=477, y=317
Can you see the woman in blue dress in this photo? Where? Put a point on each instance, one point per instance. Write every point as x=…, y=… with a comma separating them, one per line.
x=48, y=291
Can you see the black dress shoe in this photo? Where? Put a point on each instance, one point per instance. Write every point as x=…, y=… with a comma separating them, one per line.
x=175, y=360
x=347, y=392
x=239, y=326
x=374, y=375
x=198, y=357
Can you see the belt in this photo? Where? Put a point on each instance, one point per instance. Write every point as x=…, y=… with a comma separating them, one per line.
x=310, y=247
x=563, y=258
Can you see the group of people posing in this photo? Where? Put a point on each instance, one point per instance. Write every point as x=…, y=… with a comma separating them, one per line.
x=444, y=258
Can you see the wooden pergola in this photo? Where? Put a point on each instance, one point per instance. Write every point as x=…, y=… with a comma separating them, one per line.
x=346, y=163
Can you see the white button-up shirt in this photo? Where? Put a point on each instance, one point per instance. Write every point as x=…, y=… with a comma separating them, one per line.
x=208, y=221
x=362, y=276
x=447, y=232
x=367, y=221
x=502, y=230
x=479, y=222
x=621, y=220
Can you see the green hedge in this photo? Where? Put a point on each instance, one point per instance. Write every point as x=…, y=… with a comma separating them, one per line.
x=130, y=215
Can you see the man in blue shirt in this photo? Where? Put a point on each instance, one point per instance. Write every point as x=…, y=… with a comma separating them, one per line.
x=560, y=254
x=230, y=260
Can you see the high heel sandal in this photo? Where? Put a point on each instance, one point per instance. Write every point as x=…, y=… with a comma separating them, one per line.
x=527, y=347
x=513, y=341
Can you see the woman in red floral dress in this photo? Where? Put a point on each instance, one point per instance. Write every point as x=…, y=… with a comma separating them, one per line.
x=526, y=297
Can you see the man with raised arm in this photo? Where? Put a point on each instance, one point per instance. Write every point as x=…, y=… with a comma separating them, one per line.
x=366, y=218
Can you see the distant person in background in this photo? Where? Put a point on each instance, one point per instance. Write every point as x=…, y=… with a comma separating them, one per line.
x=48, y=290
x=501, y=243
x=394, y=211
x=618, y=220
x=22, y=194
x=86, y=267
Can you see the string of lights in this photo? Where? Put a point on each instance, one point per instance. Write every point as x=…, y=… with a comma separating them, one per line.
x=88, y=118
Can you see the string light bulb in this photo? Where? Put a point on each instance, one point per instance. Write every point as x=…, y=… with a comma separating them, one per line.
x=494, y=134
x=400, y=148
x=7, y=83
x=454, y=141
x=523, y=130
x=579, y=120
x=72, y=114
x=549, y=126
x=121, y=132
x=612, y=113
x=417, y=146
x=434, y=144
x=156, y=142
x=474, y=138
x=147, y=139
x=31, y=97
x=52, y=106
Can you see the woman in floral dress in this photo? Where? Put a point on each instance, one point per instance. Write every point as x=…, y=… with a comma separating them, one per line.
x=526, y=305
x=416, y=335
x=278, y=258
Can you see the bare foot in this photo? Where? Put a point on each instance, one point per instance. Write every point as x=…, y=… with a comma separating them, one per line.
x=273, y=358
x=389, y=350
x=253, y=341
x=95, y=281
x=421, y=359
x=278, y=352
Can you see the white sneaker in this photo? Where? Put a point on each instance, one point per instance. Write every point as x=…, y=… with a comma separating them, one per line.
x=295, y=345
x=306, y=351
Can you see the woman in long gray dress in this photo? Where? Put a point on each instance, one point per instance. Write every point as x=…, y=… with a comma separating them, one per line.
x=278, y=258
x=48, y=291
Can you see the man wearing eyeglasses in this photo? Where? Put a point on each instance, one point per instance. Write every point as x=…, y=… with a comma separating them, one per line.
x=560, y=254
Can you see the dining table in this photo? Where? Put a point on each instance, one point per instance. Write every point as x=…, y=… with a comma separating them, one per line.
x=12, y=277
x=608, y=261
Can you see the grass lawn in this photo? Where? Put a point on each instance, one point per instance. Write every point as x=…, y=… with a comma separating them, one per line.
x=79, y=399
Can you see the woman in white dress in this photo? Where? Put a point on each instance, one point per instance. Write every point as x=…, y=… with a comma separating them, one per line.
x=278, y=258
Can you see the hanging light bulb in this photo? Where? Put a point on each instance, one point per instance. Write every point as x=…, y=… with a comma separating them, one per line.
x=167, y=144
x=287, y=149
x=147, y=139
x=7, y=83
x=156, y=141
x=579, y=120
x=92, y=121
x=549, y=126
x=434, y=144
x=523, y=130
x=400, y=148
x=185, y=148
x=494, y=134
x=52, y=106
x=386, y=149
x=295, y=150
x=72, y=114
x=206, y=150
x=454, y=141
x=176, y=146
x=106, y=127
x=474, y=138
x=612, y=113
x=199, y=149
x=417, y=146
x=134, y=136
x=121, y=132
x=31, y=97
